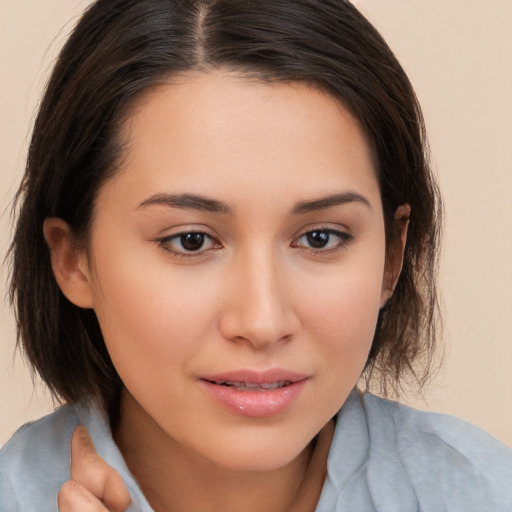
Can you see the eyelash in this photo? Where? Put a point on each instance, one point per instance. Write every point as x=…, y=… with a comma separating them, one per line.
x=165, y=242
x=344, y=239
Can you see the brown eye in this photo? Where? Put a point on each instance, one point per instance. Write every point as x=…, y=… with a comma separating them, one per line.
x=192, y=241
x=318, y=239
x=189, y=243
x=323, y=240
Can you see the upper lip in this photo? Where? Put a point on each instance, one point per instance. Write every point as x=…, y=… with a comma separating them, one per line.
x=256, y=377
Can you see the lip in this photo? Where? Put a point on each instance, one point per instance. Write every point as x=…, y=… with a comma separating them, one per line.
x=257, y=398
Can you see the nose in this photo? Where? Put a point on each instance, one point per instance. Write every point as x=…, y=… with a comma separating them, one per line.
x=259, y=310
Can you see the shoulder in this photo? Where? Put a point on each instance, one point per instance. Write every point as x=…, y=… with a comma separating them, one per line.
x=447, y=460
x=35, y=462
x=440, y=433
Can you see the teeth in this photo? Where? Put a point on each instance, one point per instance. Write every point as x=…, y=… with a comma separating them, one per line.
x=243, y=386
x=275, y=385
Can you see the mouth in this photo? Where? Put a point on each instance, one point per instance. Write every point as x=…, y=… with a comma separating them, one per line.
x=255, y=394
x=251, y=386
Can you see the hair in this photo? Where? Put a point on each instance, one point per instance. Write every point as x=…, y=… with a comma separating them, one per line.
x=120, y=49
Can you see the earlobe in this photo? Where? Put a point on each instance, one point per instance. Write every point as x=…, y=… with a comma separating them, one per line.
x=395, y=253
x=69, y=263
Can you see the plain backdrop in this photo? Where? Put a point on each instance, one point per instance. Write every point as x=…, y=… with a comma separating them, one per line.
x=458, y=54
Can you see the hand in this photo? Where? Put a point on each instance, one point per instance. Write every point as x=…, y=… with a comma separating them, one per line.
x=94, y=485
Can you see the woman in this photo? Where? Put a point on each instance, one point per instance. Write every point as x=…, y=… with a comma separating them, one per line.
x=227, y=218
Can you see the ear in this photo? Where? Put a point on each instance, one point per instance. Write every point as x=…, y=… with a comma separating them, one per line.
x=395, y=254
x=69, y=263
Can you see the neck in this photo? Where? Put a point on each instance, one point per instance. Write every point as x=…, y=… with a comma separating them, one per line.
x=173, y=478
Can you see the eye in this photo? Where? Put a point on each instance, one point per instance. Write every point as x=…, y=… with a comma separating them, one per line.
x=323, y=240
x=189, y=243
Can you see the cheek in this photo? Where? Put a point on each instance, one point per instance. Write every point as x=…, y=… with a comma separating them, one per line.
x=152, y=318
x=345, y=302
x=341, y=319
x=346, y=322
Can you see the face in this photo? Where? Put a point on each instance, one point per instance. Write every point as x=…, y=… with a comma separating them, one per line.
x=236, y=264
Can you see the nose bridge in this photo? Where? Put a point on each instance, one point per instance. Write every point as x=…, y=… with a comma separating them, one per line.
x=259, y=310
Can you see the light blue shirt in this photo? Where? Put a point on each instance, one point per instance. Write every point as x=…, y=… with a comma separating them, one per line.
x=385, y=457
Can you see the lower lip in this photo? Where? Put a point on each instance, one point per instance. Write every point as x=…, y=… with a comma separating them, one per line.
x=255, y=404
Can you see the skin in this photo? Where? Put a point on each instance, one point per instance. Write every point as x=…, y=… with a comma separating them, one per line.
x=94, y=485
x=256, y=295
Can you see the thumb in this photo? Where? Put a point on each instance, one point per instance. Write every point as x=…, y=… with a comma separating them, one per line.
x=90, y=471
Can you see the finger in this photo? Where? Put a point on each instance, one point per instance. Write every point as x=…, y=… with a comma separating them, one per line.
x=90, y=471
x=73, y=497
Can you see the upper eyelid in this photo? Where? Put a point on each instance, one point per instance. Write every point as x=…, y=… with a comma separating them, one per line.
x=337, y=231
x=175, y=236
x=333, y=231
x=185, y=232
x=298, y=234
x=169, y=231
x=344, y=239
x=337, y=228
x=165, y=240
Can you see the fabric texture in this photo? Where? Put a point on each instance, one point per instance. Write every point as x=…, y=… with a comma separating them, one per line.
x=385, y=457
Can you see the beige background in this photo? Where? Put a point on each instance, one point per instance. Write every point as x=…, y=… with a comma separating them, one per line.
x=458, y=54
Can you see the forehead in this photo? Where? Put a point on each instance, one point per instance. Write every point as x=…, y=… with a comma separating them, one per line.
x=206, y=131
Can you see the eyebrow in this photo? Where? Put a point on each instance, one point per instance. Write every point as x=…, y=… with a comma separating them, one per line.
x=330, y=201
x=205, y=204
x=187, y=202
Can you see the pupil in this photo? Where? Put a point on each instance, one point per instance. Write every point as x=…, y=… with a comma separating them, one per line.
x=318, y=239
x=192, y=241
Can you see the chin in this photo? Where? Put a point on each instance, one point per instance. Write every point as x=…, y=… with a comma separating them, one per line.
x=247, y=462
x=257, y=453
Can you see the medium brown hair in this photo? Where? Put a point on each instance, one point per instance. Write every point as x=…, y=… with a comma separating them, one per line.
x=122, y=48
